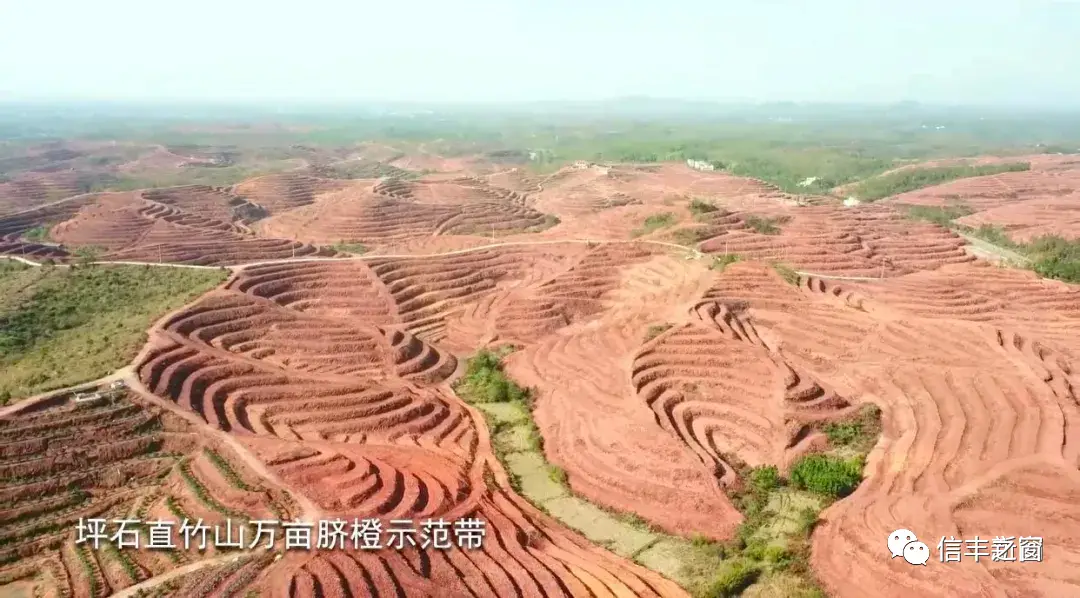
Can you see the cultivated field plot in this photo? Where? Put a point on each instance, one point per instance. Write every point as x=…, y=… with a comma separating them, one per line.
x=108, y=453
x=1042, y=201
x=675, y=328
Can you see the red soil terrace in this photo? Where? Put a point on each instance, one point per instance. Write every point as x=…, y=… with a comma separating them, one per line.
x=329, y=381
x=1044, y=200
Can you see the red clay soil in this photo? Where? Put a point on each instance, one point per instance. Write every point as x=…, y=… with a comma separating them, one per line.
x=26, y=192
x=317, y=368
x=334, y=377
x=957, y=359
x=1042, y=201
x=394, y=211
x=130, y=227
x=53, y=448
x=278, y=193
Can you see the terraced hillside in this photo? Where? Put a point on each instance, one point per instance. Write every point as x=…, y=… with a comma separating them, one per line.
x=154, y=466
x=641, y=382
x=334, y=392
x=1040, y=201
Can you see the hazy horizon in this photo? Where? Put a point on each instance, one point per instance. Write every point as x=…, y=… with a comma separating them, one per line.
x=1012, y=53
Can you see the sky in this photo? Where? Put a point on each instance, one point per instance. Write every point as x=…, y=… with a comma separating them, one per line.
x=998, y=52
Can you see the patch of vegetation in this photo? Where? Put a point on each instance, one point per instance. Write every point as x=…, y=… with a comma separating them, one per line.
x=734, y=577
x=940, y=215
x=858, y=432
x=124, y=560
x=690, y=237
x=59, y=327
x=772, y=545
x=485, y=382
x=1050, y=256
x=724, y=260
x=911, y=179
x=558, y=475
x=654, y=223
x=226, y=470
x=764, y=225
x=175, y=508
x=827, y=474
x=550, y=220
x=656, y=330
x=87, y=570
x=38, y=234
x=203, y=495
x=363, y=169
x=1055, y=257
x=787, y=273
x=354, y=248
x=700, y=206
x=995, y=235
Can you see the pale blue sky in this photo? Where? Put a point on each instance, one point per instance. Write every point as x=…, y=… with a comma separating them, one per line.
x=950, y=51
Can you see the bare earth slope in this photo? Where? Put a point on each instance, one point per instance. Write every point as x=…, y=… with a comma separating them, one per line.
x=328, y=380
x=1044, y=200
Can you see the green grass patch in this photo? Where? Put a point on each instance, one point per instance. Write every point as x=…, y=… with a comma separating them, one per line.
x=1050, y=256
x=59, y=327
x=911, y=179
x=656, y=330
x=787, y=273
x=995, y=235
x=485, y=382
x=699, y=206
x=858, y=432
x=558, y=475
x=354, y=248
x=654, y=223
x=764, y=225
x=734, y=577
x=827, y=474
x=724, y=260
x=940, y=215
x=1053, y=256
x=38, y=234
x=773, y=543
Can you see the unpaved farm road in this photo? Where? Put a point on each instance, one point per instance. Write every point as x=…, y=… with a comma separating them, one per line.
x=178, y=572
x=693, y=254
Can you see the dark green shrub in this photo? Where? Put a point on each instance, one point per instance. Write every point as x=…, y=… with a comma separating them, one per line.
x=828, y=475
x=724, y=260
x=732, y=579
x=765, y=479
x=699, y=206
x=763, y=225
